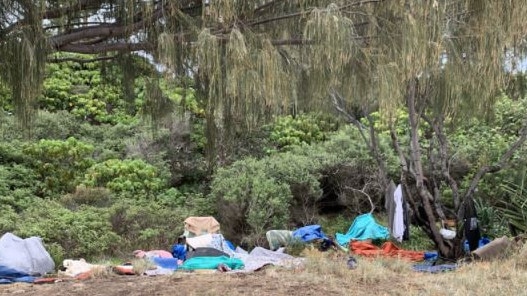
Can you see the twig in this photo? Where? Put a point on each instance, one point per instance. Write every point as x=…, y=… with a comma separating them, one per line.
x=363, y=192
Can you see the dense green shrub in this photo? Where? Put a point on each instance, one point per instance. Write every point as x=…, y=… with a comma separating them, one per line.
x=282, y=190
x=249, y=199
x=5, y=99
x=131, y=178
x=481, y=142
x=59, y=125
x=192, y=199
x=172, y=147
x=84, y=233
x=146, y=225
x=308, y=128
x=99, y=197
x=79, y=89
x=18, y=178
x=8, y=218
x=59, y=164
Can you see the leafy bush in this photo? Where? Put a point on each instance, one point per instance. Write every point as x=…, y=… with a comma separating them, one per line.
x=8, y=218
x=131, y=178
x=18, y=182
x=191, y=199
x=11, y=152
x=59, y=125
x=309, y=128
x=481, y=142
x=146, y=225
x=79, y=89
x=59, y=164
x=514, y=208
x=282, y=190
x=171, y=147
x=97, y=197
x=491, y=222
x=84, y=233
x=109, y=141
x=249, y=201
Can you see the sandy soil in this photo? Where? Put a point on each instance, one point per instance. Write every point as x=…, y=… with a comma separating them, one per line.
x=259, y=283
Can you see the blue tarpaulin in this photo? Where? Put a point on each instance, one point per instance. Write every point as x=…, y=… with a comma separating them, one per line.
x=168, y=263
x=309, y=233
x=363, y=227
x=9, y=275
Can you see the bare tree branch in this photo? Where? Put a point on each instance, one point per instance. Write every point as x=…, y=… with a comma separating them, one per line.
x=106, y=47
x=79, y=60
x=363, y=191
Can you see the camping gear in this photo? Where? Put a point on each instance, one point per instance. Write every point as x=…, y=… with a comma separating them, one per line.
x=179, y=251
x=482, y=241
x=388, y=249
x=352, y=262
x=166, y=263
x=196, y=226
x=364, y=227
x=471, y=225
x=278, y=238
x=430, y=268
x=447, y=233
x=125, y=269
x=398, y=227
x=79, y=269
x=153, y=253
x=205, y=252
x=493, y=249
x=8, y=276
x=25, y=256
x=211, y=263
x=309, y=233
x=216, y=241
x=260, y=257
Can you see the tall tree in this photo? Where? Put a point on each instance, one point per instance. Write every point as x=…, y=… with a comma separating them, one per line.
x=440, y=60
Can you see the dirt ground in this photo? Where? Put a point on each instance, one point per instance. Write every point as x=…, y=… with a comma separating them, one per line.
x=259, y=283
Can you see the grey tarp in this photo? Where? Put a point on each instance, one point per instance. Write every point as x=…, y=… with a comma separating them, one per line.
x=260, y=257
x=25, y=255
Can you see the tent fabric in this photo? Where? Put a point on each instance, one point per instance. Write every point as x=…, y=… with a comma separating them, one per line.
x=278, y=238
x=152, y=253
x=493, y=249
x=309, y=233
x=398, y=219
x=25, y=255
x=260, y=257
x=388, y=249
x=9, y=275
x=363, y=227
x=166, y=263
x=216, y=241
x=206, y=252
x=211, y=263
x=434, y=268
x=196, y=226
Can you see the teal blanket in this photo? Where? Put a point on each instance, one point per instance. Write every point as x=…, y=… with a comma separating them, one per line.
x=363, y=227
x=211, y=263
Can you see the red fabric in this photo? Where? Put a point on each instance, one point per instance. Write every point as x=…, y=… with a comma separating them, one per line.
x=388, y=249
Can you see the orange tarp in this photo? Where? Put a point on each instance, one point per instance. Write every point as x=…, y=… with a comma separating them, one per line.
x=388, y=249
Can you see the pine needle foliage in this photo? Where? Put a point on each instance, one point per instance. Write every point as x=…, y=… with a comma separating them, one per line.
x=256, y=58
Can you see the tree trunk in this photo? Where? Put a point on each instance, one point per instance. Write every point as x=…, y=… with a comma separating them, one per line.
x=425, y=199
